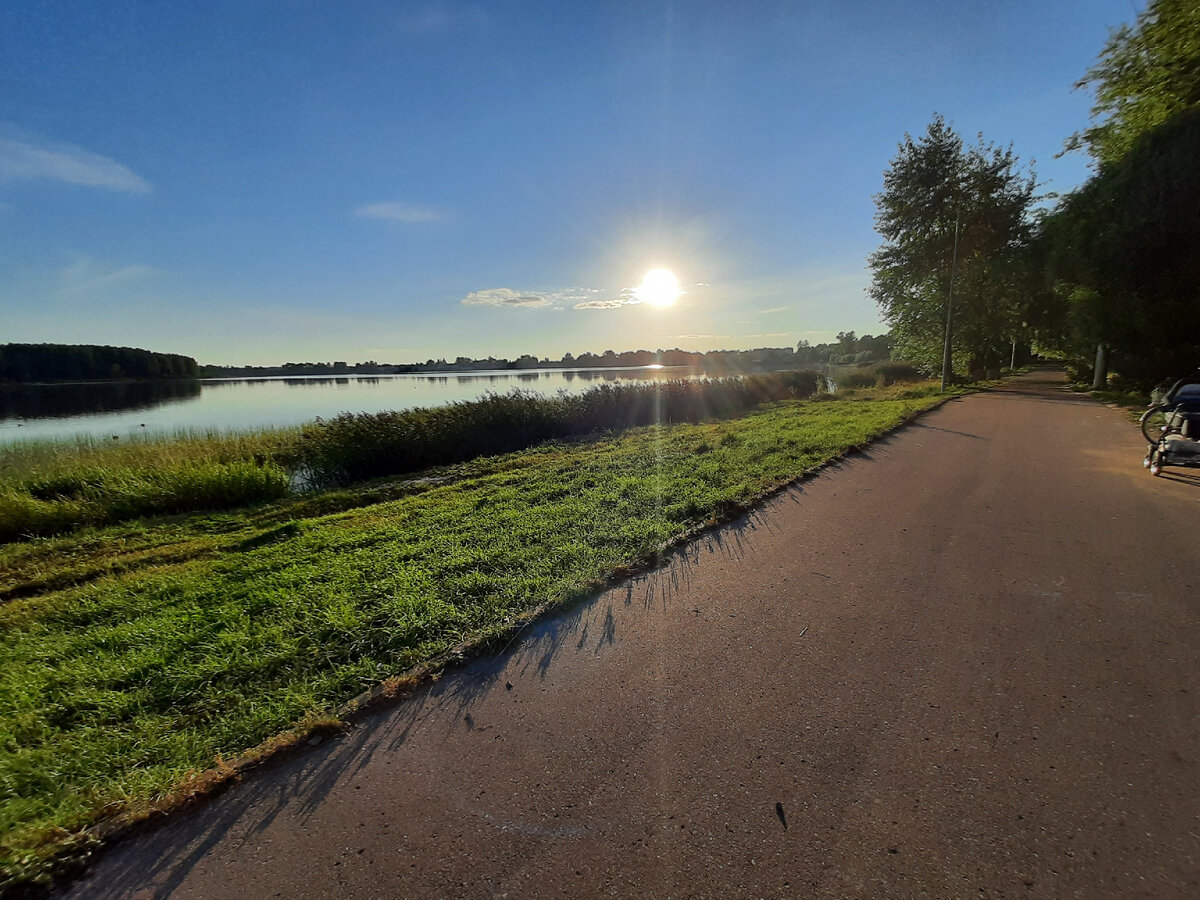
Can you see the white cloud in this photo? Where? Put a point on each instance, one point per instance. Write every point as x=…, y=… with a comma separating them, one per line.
x=400, y=212
x=508, y=298
x=505, y=298
x=22, y=159
x=625, y=298
x=773, y=310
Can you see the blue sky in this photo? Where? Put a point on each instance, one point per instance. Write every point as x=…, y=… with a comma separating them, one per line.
x=255, y=182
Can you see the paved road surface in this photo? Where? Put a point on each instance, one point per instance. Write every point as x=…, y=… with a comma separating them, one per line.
x=963, y=663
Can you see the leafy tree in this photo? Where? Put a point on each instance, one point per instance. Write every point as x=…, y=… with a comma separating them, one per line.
x=1123, y=253
x=1146, y=74
x=938, y=193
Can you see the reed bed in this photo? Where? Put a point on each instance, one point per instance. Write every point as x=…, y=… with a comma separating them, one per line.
x=50, y=488
x=354, y=447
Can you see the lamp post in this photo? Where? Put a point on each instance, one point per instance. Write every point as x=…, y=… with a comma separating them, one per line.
x=950, y=303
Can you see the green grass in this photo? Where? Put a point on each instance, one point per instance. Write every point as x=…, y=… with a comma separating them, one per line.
x=49, y=487
x=134, y=656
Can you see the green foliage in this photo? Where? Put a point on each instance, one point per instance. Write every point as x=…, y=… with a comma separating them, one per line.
x=78, y=362
x=881, y=375
x=356, y=446
x=854, y=380
x=938, y=193
x=216, y=633
x=1146, y=75
x=888, y=373
x=1123, y=253
x=849, y=349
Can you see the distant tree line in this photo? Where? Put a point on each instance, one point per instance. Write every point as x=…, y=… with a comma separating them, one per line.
x=25, y=363
x=847, y=349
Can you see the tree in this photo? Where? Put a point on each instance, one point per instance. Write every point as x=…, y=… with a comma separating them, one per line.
x=1123, y=254
x=938, y=194
x=1145, y=75
x=1122, y=251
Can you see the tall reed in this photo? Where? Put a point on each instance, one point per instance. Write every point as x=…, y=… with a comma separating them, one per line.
x=55, y=487
x=356, y=446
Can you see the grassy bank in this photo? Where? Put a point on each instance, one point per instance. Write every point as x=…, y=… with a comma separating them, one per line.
x=135, y=656
x=52, y=488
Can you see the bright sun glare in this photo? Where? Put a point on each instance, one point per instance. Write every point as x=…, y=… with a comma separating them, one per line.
x=658, y=288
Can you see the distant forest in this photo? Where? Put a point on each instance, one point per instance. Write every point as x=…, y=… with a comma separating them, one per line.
x=26, y=363
x=847, y=349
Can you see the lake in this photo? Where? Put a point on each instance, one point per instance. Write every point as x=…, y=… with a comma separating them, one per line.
x=38, y=412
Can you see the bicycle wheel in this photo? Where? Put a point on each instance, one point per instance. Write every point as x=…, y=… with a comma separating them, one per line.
x=1154, y=424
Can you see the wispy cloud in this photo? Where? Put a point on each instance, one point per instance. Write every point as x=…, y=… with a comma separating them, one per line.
x=729, y=337
x=22, y=158
x=400, y=212
x=507, y=298
x=87, y=276
x=773, y=310
x=438, y=17
x=626, y=297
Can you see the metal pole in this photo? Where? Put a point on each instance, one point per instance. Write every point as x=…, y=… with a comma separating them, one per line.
x=1013, y=364
x=950, y=304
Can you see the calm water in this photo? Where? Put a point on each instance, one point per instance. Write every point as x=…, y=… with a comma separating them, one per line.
x=102, y=410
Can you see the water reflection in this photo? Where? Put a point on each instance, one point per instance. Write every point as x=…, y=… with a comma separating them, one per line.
x=247, y=404
x=56, y=401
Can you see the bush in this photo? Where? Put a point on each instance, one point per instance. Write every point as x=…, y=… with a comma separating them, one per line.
x=889, y=373
x=853, y=380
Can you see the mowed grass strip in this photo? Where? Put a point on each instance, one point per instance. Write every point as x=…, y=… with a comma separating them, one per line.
x=114, y=692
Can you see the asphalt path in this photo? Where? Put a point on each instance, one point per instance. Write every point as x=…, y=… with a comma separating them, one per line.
x=960, y=663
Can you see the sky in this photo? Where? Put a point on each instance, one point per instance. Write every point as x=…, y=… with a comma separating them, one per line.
x=257, y=182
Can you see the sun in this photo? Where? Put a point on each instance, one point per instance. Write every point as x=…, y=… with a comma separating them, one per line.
x=659, y=287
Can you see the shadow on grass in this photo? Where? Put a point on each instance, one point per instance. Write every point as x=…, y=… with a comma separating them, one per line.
x=159, y=857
